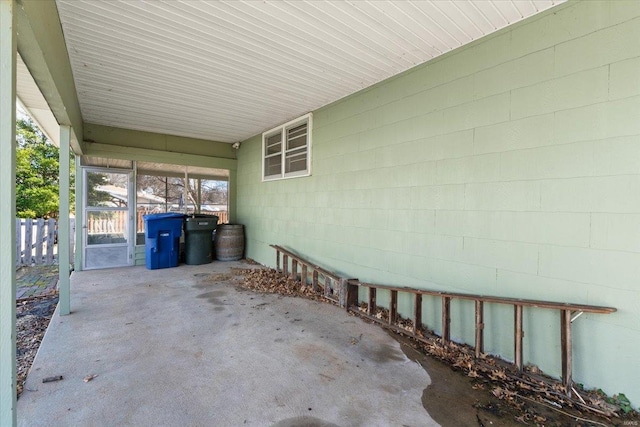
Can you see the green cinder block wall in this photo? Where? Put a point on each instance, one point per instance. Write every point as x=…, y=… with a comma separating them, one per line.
x=508, y=167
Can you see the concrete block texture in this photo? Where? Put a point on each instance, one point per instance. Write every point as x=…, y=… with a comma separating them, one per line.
x=508, y=167
x=625, y=78
x=575, y=90
x=606, y=46
x=615, y=231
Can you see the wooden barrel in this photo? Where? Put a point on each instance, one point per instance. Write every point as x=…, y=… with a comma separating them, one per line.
x=229, y=242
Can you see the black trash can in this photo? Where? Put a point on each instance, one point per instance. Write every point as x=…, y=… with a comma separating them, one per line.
x=198, y=239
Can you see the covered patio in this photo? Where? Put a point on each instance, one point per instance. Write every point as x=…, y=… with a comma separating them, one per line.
x=477, y=147
x=185, y=346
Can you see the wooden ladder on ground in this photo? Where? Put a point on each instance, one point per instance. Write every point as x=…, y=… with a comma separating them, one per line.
x=344, y=291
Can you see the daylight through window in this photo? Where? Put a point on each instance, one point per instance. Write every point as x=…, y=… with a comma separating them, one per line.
x=286, y=150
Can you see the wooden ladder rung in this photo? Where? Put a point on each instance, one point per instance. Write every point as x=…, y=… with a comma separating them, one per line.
x=479, y=346
x=446, y=319
x=393, y=308
x=417, y=313
x=518, y=334
x=352, y=295
x=565, y=349
x=371, y=308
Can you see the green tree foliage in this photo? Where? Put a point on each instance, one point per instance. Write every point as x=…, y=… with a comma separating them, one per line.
x=37, y=177
x=95, y=196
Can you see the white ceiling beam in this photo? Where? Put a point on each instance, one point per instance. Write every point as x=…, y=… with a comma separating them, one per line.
x=42, y=47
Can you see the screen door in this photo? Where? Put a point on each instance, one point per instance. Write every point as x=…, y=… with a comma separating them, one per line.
x=107, y=218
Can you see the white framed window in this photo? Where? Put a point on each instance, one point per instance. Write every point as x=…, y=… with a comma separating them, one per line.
x=286, y=150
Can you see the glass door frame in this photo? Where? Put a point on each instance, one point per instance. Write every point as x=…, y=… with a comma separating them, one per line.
x=130, y=217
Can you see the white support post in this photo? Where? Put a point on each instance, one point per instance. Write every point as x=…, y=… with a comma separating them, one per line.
x=185, y=192
x=8, y=38
x=77, y=261
x=232, y=187
x=63, y=223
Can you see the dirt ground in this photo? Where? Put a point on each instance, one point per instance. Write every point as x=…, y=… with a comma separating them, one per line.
x=32, y=318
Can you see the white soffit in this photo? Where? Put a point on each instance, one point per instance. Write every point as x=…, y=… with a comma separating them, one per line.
x=105, y=162
x=152, y=168
x=178, y=170
x=33, y=102
x=227, y=70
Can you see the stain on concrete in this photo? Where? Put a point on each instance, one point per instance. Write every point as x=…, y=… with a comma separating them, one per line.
x=319, y=355
x=326, y=378
x=450, y=398
x=391, y=389
x=213, y=297
x=304, y=421
x=384, y=353
x=316, y=354
x=218, y=277
x=172, y=285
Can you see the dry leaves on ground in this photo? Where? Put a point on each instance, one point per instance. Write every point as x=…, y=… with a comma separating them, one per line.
x=488, y=372
x=33, y=316
x=272, y=282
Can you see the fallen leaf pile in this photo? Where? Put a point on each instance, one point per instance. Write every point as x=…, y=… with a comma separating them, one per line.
x=268, y=280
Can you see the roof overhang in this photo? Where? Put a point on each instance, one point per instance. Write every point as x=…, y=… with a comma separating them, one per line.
x=227, y=70
x=42, y=48
x=31, y=100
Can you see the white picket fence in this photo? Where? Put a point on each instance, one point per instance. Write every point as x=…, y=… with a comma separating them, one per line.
x=36, y=241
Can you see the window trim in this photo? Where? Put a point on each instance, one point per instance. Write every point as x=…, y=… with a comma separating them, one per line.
x=282, y=129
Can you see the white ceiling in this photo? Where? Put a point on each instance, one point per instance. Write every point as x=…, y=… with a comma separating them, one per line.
x=31, y=100
x=227, y=70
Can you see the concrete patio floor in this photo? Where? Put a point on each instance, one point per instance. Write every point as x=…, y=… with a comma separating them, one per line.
x=173, y=347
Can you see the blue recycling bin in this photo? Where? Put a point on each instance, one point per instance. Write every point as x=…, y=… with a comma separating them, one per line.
x=162, y=243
